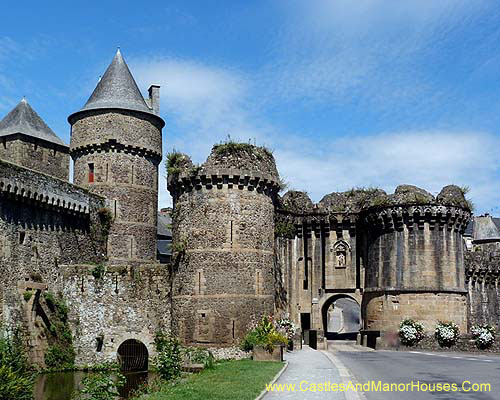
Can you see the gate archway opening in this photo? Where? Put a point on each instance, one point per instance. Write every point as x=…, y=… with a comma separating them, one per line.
x=341, y=317
x=133, y=356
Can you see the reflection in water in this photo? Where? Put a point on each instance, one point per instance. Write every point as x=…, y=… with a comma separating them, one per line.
x=60, y=385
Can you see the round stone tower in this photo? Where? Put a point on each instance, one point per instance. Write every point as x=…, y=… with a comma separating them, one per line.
x=116, y=148
x=223, y=231
x=414, y=259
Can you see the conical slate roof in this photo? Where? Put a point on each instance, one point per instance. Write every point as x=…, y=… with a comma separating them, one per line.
x=117, y=89
x=485, y=228
x=23, y=119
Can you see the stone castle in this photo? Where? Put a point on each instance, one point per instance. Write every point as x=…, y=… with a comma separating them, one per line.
x=356, y=263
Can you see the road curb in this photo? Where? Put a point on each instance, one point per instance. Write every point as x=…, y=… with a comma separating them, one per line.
x=345, y=376
x=276, y=377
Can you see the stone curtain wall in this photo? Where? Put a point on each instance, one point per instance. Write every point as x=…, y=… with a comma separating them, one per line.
x=44, y=223
x=38, y=155
x=124, y=303
x=224, y=246
x=414, y=266
x=125, y=150
x=482, y=274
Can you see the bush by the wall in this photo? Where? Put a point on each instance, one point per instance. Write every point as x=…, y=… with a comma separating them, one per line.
x=484, y=336
x=410, y=332
x=100, y=386
x=446, y=333
x=16, y=377
x=265, y=333
x=169, y=360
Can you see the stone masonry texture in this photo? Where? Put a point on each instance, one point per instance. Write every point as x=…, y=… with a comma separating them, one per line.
x=224, y=233
x=240, y=250
x=122, y=150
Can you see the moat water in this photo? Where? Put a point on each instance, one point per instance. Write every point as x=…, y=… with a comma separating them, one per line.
x=60, y=385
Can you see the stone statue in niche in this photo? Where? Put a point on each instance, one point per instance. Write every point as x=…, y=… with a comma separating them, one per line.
x=340, y=258
x=341, y=251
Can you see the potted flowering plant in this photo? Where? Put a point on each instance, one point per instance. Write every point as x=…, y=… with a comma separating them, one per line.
x=265, y=341
x=288, y=328
x=446, y=333
x=484, y=335
x=410, y=332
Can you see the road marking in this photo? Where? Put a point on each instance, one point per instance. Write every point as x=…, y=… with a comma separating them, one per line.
x=449, y=356
x=345, y=375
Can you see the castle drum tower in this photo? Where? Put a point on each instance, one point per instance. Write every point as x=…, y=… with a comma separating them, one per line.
x=116, y=146
x=224, y=242
x=414, y=261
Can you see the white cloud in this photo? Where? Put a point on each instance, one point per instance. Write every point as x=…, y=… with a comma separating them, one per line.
x=334, y=52
x=363, y=51
x=193, y=91
x=204, y=102
x=429, y=159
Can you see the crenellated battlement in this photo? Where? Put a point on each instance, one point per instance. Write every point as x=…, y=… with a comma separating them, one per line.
x=482, y=266
x=223, y=178
x=415, y=216
x=112, y=145
x=44, y=191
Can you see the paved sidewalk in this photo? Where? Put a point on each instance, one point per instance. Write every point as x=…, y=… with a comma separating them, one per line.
x=308, y=365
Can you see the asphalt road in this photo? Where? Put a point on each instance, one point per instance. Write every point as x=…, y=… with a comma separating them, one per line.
x=425, y=367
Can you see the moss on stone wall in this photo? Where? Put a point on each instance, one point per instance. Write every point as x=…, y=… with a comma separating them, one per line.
x=454, y=195
x=297, y=202
x=242, y=156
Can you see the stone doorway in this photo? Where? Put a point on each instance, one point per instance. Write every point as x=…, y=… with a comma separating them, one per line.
x=341, y=317
x=133, y=356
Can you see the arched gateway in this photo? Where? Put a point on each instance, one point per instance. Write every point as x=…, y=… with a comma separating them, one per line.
x=133, y=356
x=341, y=316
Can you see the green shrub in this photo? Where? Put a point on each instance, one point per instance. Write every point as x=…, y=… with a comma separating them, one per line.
x=169, y=359
x=195, y=355
x=28, y=294
x=249, y=341
x=106, y=219
x=98, y=271
x=446, y=333
x=231, y=147
x=264, y=334
x=14, y=385
x=100, y=386
x=59, y=356
x=284, y=229
x=176, y=161
x=410, y=332
x=16, y=376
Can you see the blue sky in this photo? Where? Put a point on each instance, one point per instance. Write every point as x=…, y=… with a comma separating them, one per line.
x=347, y=93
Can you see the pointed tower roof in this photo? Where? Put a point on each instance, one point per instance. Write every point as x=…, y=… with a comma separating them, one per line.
x=24, y=120
x=117, y=89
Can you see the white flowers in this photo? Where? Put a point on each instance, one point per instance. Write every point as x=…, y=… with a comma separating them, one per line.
x=446, y=333
x=484, y=335
x=410, y=332
x=286, y=327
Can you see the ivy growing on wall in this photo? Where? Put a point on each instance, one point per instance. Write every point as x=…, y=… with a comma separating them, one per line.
x=106, y=219
x=98, y=271
x=60, y=354
x=284, y=230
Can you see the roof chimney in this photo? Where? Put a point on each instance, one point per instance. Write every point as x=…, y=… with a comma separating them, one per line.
x=154, y=98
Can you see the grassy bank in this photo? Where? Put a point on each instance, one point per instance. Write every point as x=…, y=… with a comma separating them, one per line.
x=228, y=380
